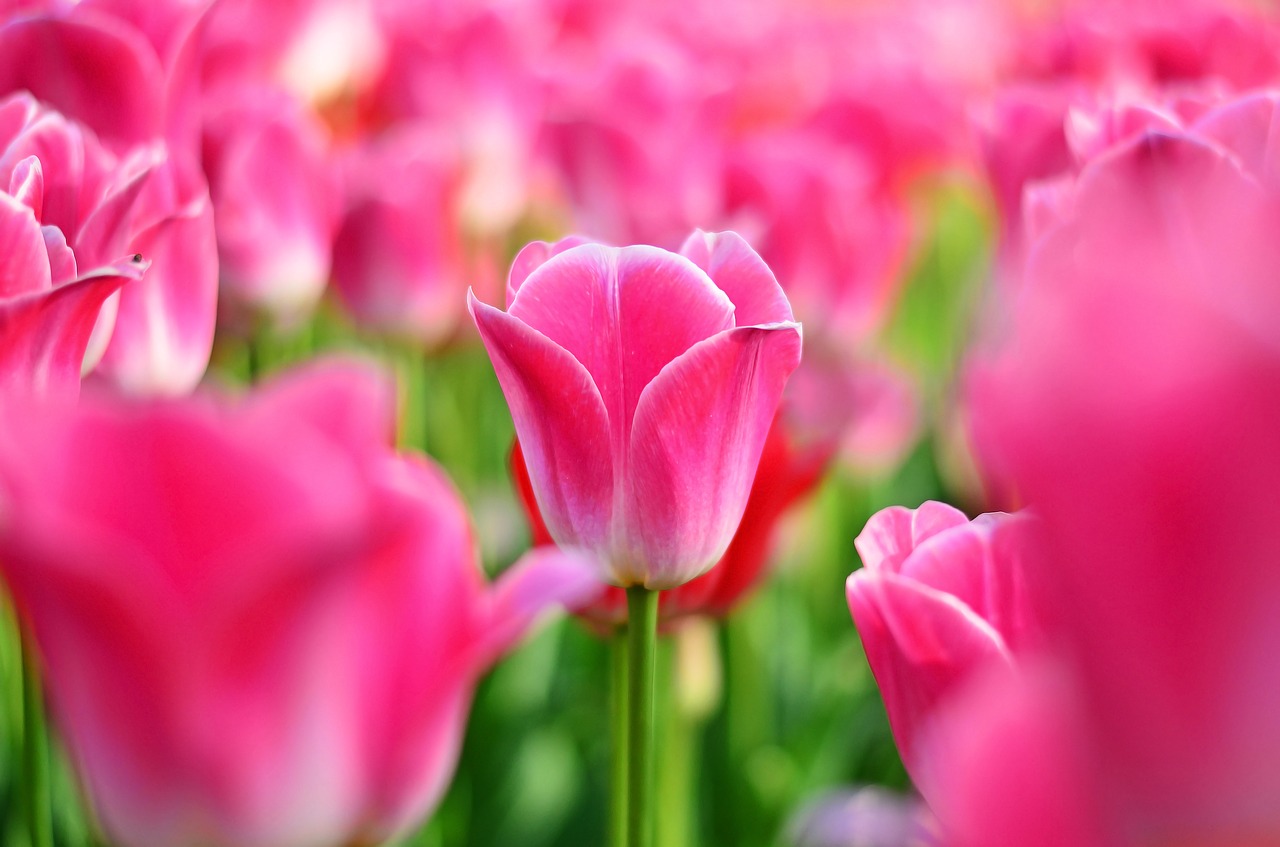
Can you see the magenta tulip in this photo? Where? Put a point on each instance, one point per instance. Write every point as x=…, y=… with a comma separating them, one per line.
x=940, y=599
x=642, y=384
x=259, y=627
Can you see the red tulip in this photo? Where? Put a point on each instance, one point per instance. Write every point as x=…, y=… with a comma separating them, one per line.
x=258, y=626
x=642, y=384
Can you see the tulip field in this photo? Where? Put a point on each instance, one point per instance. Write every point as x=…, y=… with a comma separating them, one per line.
x=758, y=423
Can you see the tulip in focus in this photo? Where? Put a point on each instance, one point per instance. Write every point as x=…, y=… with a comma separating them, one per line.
x=642, y=384
x=787, y=472
x=258, y=626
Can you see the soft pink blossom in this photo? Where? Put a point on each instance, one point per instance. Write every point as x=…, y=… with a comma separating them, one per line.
x=275, y=190
x=939, y=601
x=642, y=384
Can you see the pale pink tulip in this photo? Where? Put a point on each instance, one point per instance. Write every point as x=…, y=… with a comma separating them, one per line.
x=642, y=384
x=940, y=600
x=258, y=626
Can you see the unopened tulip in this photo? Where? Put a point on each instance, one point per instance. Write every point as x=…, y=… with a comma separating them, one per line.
x=939, y=600
x=785, y=475
x=642, y=384
x=258, y=626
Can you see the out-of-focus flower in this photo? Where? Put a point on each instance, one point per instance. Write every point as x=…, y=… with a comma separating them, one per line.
x=939, y=600
x=103, y=75
x=642, y=384
x=862, y=817
x=398, y=258
x=837, y=241
x=257, y=625
x=1133, y=404
x=275, y=191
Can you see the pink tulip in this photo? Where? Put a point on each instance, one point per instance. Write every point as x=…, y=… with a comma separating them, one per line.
x=939, y=601
x=1133, y=405
x=787, y=472
x=275, y=188
x=642, y=384
x=837, y=239
x=104, y=76
x=398, y=260
x=258, y=625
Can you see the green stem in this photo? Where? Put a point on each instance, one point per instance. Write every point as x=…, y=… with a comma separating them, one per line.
x=618, y=705
x=642, y=638
x=35, y=752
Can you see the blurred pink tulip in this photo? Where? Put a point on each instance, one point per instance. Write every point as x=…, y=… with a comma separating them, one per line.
x=275, y=192
x=940, y=600
x=258, y=625
x=642, y=384
x=398, y=260
x=1133, y=405
x=125, y=133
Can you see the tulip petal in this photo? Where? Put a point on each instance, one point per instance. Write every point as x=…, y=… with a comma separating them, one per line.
x=43, y=335
x=891, y=534
x=561, y=423
x=350, y=400
x=62, y=261
x=26, y=184
x=700, y=427
x=624, y=313
x=91, y=68
x=740, y=273
x=543, y=578
x=922, y=645
x=24, y=260
x=533, y=256
x=106, y=231
x=981, y=564
x=164, y=329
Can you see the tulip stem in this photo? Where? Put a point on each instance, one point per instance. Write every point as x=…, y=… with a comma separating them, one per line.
x=618, y=704
x=642, y=640
x=35, y=751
